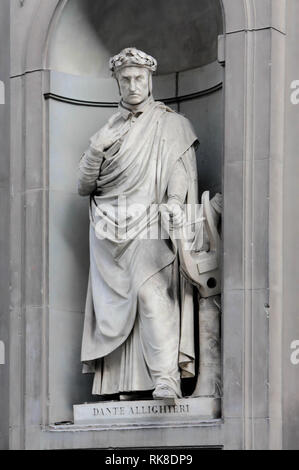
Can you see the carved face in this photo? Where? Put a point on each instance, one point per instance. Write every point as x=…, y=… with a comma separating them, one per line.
x=133, y=84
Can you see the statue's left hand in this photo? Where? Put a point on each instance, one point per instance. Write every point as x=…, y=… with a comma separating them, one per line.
x=172, y=214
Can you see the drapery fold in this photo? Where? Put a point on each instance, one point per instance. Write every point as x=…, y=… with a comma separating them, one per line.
x=138, y=174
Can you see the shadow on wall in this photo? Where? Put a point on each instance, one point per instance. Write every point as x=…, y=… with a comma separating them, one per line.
x=180, y=34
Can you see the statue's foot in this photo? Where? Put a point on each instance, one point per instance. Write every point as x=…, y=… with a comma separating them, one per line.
x=129, y=396
x=164, y=392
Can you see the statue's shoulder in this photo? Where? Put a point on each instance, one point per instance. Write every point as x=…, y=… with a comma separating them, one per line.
x=176, y=122
x=173, y=118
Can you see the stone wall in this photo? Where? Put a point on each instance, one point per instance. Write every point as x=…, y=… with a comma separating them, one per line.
x=290, y=244
x=4, y=222
x=260, y=398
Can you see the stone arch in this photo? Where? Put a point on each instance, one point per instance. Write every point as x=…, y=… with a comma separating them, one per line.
x=237, y=17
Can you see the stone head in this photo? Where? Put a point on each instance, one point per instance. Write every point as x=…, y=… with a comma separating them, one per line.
x=133, y=71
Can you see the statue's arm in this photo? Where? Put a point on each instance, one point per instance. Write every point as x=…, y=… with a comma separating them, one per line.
x=178, y=184
x=90, y=163
x=88, y=171
x=172, y=211
x=216, y=206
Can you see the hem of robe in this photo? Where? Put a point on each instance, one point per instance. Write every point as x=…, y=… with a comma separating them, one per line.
x=186, y=356
x=126, y=369
x=88, y=360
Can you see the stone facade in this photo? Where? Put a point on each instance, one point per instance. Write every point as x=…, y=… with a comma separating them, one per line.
x=257, y=146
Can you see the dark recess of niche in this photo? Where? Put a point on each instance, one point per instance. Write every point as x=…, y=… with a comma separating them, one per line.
x=181, y=35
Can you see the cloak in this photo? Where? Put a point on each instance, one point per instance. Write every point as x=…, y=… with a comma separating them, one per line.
x=137, y=175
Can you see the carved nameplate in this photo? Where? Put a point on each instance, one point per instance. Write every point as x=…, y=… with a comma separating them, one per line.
x=147, y=411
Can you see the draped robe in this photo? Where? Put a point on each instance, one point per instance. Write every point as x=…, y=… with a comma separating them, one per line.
x=138, y=174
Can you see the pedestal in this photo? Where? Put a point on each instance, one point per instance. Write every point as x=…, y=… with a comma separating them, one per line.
x=149, y=412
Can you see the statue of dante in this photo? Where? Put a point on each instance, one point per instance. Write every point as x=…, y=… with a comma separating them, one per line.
x=140, y=167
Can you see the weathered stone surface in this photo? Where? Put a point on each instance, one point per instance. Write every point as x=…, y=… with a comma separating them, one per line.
x=233, y=231
x=65, y=331
x=4, y=221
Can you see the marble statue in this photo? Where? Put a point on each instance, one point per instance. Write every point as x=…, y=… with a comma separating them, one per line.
x=140, y=174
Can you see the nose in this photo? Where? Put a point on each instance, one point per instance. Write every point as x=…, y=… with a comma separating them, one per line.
x=132, y=85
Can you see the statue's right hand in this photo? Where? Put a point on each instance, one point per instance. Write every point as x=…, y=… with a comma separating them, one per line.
x=105, y=138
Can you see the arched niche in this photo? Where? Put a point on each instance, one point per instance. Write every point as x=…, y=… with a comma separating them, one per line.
x=34, y=53
x=181, y=35
x=82, y=96
x=50, y=380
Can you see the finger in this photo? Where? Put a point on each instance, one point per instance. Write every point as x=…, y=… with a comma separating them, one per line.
x=116, y=135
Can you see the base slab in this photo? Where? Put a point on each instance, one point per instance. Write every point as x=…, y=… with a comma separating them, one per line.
x=148, y=411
